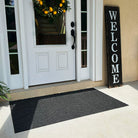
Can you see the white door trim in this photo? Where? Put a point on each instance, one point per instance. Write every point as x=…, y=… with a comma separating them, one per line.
x=14, y=81
x=96, y=42
x=85, y=72
x=23, y=45
x=78, y=39
x=24, y=48
x=95, y=13
x=3, y=51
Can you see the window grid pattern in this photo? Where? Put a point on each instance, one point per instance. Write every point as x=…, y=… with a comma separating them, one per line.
x=12, y=36
x=84, y=33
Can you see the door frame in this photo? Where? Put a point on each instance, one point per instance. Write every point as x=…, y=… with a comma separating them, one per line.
x=96, y=41
x=95, y=9
x=14, y=81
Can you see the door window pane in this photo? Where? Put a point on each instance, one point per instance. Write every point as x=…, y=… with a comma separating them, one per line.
x=10, y=16
x=83, y=41
x=84, y=59
x=84, y=50
x=84, y=21
x=12, y=38
x=14, y=64
x=12, y=42
x=84, y=5
x=9, y=2
x=50, y=31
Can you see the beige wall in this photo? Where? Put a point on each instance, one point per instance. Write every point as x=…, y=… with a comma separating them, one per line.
x=129, y=39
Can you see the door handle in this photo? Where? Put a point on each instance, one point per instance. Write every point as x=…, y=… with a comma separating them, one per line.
x=73, y=35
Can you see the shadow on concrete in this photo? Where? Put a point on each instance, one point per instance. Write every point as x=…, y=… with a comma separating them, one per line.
x=135, y=85
x=6, y=123
x=23, y=112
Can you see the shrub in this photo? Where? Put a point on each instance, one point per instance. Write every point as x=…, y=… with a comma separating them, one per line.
x=4, y=91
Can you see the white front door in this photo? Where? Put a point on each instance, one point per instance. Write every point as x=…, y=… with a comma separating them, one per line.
x=49, y=63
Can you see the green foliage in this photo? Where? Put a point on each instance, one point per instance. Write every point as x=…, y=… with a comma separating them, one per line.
x=4, y=91
x=39, y=9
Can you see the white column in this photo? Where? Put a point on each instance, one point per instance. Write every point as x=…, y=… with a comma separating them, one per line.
x=78, y=38
x=23, y=44
x=3, y=47
x=97, y=40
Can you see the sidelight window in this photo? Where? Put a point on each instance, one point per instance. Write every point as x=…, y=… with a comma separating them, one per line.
x=12, y=38
x=84, y=33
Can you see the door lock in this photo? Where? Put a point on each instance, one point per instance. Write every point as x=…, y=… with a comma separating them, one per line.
x=72, y=24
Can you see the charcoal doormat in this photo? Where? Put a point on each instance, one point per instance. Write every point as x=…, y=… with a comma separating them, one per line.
x=42, y=111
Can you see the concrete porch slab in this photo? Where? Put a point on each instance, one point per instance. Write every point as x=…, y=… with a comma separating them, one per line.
x=118, y=123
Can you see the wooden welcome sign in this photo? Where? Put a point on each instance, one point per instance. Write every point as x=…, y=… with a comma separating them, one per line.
x=113, y=46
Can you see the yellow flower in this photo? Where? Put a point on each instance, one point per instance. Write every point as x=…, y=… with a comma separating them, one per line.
x=64, y=11
x=45, y=12
x=55, y=12
x=41, y=2
x=38, y=0
x=63, y=1
x=60, y=5
x=50, y=9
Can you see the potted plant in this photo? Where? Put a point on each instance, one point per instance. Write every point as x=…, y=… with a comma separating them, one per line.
x=4, y=91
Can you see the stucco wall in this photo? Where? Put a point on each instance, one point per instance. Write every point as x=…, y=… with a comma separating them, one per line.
x=129, y=39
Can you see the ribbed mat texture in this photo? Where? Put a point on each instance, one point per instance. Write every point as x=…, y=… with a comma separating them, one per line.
x=41, y=111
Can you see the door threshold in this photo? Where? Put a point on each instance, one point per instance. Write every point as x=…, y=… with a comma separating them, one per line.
x=50, y=89
x=53, y=84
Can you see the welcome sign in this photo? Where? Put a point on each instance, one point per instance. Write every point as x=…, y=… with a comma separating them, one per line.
x=113, y=46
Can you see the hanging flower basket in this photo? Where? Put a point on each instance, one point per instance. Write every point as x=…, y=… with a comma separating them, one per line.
x=50, y=8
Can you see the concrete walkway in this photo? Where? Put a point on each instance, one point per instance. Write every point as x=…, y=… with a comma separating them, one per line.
x=116, y=123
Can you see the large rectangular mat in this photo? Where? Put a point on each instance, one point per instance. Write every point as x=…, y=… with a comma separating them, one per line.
x=41, y=111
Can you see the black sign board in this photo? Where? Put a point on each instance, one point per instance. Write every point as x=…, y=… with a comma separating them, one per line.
x=113, y=46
